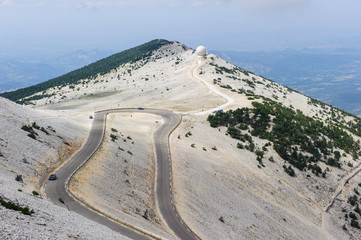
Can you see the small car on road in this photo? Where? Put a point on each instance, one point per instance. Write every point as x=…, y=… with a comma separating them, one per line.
x=220, y=110
x=140, y=108
x=52, y=177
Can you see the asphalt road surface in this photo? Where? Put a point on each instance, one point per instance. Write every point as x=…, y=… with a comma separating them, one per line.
x=57, y=190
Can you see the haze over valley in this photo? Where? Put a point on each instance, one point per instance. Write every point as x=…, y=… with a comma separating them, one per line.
x=24, y=71
x=331, y=75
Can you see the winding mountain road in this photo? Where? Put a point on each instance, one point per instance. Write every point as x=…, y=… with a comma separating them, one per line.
x=57, y=191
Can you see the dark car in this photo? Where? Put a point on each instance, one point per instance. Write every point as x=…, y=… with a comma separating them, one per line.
x=52, y=177
x=140, y=108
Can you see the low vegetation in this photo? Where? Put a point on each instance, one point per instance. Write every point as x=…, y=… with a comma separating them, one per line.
x=90, y=71
x=19, y=178
x=113, y=137
x=16, y=207
x=31, y=130
x=353, y=213
x=298, y=139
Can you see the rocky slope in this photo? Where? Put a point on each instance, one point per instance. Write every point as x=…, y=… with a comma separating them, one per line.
x=27, y=155
x=233, y=179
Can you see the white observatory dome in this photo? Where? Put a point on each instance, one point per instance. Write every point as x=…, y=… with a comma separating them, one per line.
x=201, y=51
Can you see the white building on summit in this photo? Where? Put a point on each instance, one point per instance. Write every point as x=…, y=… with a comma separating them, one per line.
x=201, y=51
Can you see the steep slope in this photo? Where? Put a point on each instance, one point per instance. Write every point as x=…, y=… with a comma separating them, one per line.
x=33, y=143
x=240, y=166
x=282, y=166
x=90, y=71
x=149, y=82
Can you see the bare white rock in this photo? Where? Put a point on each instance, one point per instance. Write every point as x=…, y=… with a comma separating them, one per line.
x=33, y=159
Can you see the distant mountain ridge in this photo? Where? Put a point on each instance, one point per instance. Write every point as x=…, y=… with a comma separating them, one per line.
x=100, y=67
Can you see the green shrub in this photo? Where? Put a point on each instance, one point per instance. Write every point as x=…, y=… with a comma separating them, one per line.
x=251, y=147
x=27, y=128
x=113, y=137
x=44, y=130
x=32, y=134
x=19, y=178
x=315, y=169
x=26, y=211
x=259, y=153
x=357, y=209
x=356, y=191
x=34, y=125
x=344, y=227
x=16, y=207
x=355, y=224
x=352, y=200
x=352, y=216
x=333, y=162
x=298, y=139
x=289, y=170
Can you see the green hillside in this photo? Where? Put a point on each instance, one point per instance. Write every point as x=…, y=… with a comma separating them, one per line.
x=298, y=139
x=101, y=67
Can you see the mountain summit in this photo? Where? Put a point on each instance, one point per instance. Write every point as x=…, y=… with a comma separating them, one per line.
x=251, y=159
x=90, y=71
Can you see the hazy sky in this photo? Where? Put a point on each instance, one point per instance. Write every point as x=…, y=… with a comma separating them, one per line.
x=43, y=26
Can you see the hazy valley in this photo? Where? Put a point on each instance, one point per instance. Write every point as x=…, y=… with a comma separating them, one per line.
x=24, y=71
x=330, y=75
